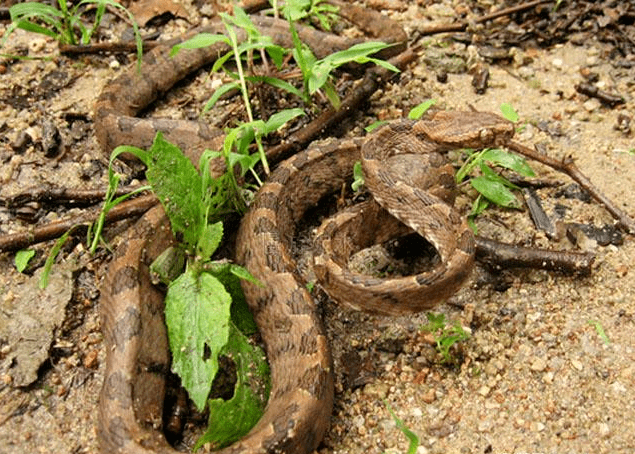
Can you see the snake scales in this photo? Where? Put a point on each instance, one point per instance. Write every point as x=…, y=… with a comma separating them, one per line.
x=300, y=403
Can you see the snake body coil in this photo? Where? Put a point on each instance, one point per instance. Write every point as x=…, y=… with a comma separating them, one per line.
x=300, y=404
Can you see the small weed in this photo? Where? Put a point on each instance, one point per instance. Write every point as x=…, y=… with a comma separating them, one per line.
x=491, y=186
x=600, y=330
x=410, y=435
x=445, y=335
x=201, y=312
x=358, y=177
x=63, y=24
x=22, y=259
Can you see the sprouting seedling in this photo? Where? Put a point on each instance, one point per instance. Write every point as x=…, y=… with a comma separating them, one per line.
x=445, y=336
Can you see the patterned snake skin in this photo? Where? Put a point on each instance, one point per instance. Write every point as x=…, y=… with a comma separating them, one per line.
x=300, y=404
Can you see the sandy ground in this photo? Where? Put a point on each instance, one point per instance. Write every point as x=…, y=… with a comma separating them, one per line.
x=534, y=377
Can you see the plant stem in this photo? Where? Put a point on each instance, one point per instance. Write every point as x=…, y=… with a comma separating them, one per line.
x=245, y=93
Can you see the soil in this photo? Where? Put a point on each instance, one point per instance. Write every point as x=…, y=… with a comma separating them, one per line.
x=548, y=367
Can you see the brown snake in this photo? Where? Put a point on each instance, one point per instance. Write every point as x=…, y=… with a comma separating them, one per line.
x=300, y=403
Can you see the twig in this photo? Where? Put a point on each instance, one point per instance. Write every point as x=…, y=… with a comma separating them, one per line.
x=55, y=229
x=462, y=26
x=503, y=255
x=568, y=167
x=97, y=48
x=61, y=196
x=605, y=97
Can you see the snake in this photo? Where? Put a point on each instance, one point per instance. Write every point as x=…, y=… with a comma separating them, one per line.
x=301, y=399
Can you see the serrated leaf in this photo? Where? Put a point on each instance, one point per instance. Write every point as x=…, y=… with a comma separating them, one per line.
x=178, y=186
x=508, y=160
x=197, y=309
x=230, y=420
x=495, y=191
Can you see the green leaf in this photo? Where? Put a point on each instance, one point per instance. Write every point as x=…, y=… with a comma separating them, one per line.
x=33, y=9
x=178, y=186
x=197, y=309
x=479, y=205
x=410, y=435
x=220, y=91
x=230, y=420
x=278, y=119
x=35, y=28
x=55, y=250
x=22, y=259
x=241, y=19
x=600, y=330
x=509, y=112
x=374, y=125
x=358, y=53
x=168, y=265
x=331, y=95
x=418, y=111
x=209, y=240
x=199, y=41
x=244, y=274
x=493, y=176
x=277, y=83
x=319, y=74
x=508, y=160
x=230, y=275
x=495, y=191
x=354, y=52
x=358, y=176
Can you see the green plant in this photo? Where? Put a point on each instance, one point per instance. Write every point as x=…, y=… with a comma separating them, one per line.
x=64, y=25
x=445, y=336
x=491, y=186
x=410, y=435
x=204, y=307
x=242, y=136
x=311, y=10
x=418, y=111
x=316, y=75
x=358, y=176
x=600, y=330
x=22, y=259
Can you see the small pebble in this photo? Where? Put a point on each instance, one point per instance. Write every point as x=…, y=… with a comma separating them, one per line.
x=484, y=390
x=604, y=430
x=538, y=364
x=591, y=105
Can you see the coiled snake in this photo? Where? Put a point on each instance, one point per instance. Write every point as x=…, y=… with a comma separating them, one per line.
x=299, y=407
